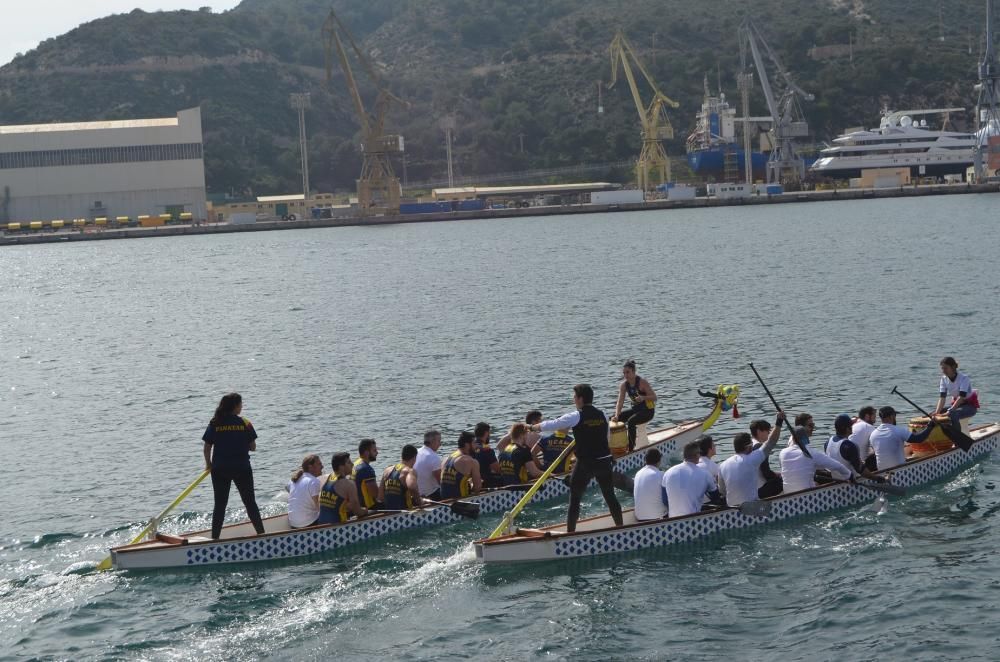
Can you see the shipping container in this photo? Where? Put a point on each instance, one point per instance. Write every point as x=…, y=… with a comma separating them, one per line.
x=626, y=196
x=681, y=192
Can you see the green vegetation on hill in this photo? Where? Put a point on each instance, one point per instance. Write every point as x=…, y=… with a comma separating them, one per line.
x=511, y=71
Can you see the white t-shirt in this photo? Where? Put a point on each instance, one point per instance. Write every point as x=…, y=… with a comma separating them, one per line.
x=888, y=441
x=741, y=474
x=861, y=433
x=686, y=485
x=951, y=388
x=302, y=507
x=798, y=472
x=648, y=491
x=709, y=465
x=428, y=461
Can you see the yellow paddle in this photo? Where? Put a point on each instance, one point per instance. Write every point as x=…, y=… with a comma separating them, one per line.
x=106, y=563
x=508, y=519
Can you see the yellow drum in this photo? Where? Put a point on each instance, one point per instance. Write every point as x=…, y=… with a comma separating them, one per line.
x=619, y=439
x=937, y=441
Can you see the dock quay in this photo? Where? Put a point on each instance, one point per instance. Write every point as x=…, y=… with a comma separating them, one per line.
x=70, y=235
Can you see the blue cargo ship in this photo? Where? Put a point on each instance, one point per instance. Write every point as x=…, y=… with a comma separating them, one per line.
x=714, y=137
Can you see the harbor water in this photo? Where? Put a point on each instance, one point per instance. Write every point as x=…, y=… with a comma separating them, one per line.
x=114, y=354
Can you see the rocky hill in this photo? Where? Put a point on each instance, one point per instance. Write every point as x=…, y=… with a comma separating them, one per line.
x=513, y=72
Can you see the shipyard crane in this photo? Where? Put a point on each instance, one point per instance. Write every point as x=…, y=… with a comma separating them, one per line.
x=653, y=118
x=378, y=187
x=787, y=123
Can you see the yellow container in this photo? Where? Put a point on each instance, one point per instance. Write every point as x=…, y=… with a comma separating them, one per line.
x=13, y=227
x=187, y=216
x=122, y=220
x=619, y=439
x=166, y=218
x=100, y=220
x=58, y=224
x=79, y=222
x=150, y=221
x=35, y=225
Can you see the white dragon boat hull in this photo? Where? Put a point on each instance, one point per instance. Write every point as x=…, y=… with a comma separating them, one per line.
x=598, y=535
x=239, y=543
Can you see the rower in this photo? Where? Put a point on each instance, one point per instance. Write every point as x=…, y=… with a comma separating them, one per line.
x=861, y=432
x=532, y=417
x=650, y=497
x=517, y=465
x=303, y=493
x=364, y=476
x=551, y=447
x=489, y=466
x=460, y=471
x=843, y=450
x=686, y=484
x=338, y=499
x=957, y=386
x=889, y=439
x=428, y=466
x=741, y=472
x=762, y=434
x=398, y=489
x=798, y=471
x=643, y=400
x=706, y=451
x=593, y=453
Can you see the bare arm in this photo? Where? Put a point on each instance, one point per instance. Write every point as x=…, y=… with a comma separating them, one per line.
x=381, y=487
x=532, y=469
x=207, y=450
x=650, y=394
x=940, y=404
x=350, y=494
x=504, y=442
x=477, y=480
x=621, y=401
x=537, y=454
x=411, y=484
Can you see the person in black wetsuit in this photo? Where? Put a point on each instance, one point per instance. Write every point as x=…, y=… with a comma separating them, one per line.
x=593, y=454
x=229, y=439
x=643, y=400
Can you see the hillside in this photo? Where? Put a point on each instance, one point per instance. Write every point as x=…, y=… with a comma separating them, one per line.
x=510, y=70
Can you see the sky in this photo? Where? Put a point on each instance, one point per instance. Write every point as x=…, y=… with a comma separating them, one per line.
x=26, y=24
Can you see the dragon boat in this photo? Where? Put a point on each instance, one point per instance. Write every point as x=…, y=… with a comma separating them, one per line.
x=598, y=535
x=239, y=543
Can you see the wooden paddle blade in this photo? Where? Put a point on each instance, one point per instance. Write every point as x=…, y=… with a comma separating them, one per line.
x=467, y=509
x=756, y=508
x=888, y=488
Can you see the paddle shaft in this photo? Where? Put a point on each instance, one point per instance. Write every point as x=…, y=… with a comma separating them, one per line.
x=509, y=517
x=956, y=436
x=106, y=563
x=802, y=446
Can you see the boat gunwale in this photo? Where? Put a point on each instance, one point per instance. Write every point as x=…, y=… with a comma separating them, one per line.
x=158, y=546
x=551, y=535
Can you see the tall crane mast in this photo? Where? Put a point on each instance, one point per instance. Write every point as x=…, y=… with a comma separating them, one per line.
x=787, y=123
x=378, y=187
x=653, y=120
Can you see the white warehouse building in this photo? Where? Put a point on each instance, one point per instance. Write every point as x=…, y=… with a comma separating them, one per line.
x=103, y=169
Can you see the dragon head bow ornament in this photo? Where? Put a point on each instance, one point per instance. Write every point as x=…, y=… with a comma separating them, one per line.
x=726, y=397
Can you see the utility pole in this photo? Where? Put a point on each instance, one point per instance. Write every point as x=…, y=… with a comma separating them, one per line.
x=300, y=101
x=521, y=137
x=448, y=124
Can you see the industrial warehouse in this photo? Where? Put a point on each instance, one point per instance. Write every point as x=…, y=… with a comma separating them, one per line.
x=99, y=172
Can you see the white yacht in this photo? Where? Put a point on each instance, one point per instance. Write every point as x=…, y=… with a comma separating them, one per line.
x=901, y=141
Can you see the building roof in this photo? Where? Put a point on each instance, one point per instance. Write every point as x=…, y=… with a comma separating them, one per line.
x=474, y=191
x=282, y=198
x=88, y=126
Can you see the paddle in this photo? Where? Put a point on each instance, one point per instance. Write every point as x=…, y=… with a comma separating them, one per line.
x=956, y=435
x=756, y=508
x=798, y=442
x=508, y=518
x=888, y=488
x=467, y=509
x=106, y=563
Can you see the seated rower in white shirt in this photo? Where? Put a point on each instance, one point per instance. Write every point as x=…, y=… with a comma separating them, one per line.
x=843, y=450
x=741, y=472
x=650, y=497
x=861, y=432
x=889, y=440
x=303, y=493
x=706, y=447
x=687, y=484
x=798, y=471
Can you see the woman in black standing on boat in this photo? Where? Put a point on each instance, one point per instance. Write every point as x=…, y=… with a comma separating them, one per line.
x=228, y=442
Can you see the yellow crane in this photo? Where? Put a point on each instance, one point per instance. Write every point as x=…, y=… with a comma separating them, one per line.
x=653, y=118
x=378, y=187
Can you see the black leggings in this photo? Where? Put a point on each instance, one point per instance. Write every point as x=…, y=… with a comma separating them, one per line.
x=583, y=471
x=633, y=417
x=222, y=480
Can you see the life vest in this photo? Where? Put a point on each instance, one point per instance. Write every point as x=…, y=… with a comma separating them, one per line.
x=454, y=484
x=635, y=396
x=513, y=465
x=397, y=497
x=364, y=477
x=552, y=447
x=591, y=435
x=332, y=506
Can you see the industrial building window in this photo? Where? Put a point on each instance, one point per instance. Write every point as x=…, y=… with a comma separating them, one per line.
x=100, y=155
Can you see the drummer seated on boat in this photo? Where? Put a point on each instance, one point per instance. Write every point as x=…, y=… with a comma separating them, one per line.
x=460, y=471
x=650, y=495
x=741, y=472
x=551, y=447
x=642, y=397
x=957, y=386
x=517, y=464
x=798, y=470
x=843, y=450
x=686, y=484
x=338, y=499
x=889, y=440
x=399, y=489
x=532, y=417
x=364, y=476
